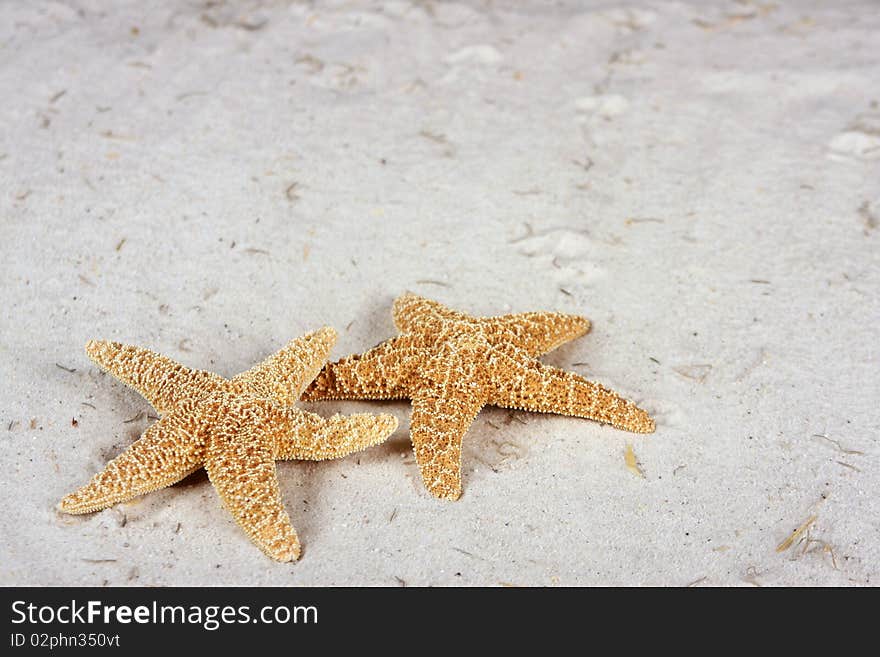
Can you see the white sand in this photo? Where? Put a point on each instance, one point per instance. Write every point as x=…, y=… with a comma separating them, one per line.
x=700, y=179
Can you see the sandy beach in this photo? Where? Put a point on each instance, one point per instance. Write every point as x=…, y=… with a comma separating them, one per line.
x=211, y=179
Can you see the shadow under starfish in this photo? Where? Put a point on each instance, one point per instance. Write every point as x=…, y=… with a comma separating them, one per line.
x=236, y=429
x=451, y=365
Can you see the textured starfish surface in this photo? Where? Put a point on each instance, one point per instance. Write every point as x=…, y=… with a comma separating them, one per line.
x=451, y=365
x=234, y=428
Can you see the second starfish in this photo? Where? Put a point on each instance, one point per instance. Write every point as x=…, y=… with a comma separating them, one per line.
x=451, y=365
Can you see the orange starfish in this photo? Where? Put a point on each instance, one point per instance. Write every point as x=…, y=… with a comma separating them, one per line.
x=235, y=429
x=451, y=365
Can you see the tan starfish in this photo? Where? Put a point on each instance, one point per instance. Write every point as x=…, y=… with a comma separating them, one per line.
x=451, y=365
x=234, y=428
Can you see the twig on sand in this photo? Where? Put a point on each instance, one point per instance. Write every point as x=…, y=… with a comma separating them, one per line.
x=470, y=554
x=837, y=444
x=644, y=220
x=796, y=534
x=134, y=419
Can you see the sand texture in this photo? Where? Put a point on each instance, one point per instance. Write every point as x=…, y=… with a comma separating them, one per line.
x=209, y=180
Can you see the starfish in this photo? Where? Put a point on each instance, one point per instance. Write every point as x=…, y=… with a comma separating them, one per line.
x=451, y=365
x=234, y=428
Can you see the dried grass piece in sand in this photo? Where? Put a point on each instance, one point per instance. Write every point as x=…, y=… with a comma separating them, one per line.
x=796, y=534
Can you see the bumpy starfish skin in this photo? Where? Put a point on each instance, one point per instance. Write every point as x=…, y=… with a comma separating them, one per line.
x=451, y=365
x=236, y=429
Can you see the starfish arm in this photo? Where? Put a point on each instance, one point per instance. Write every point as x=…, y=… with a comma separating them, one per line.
x=439, y=420
x=534, y=386
x=411, y=310
x=313, y=438
x=165, y=454
x=162, y=381
x=241, y=465
x=383, y=372
x=284, y=375
x=536, y=333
